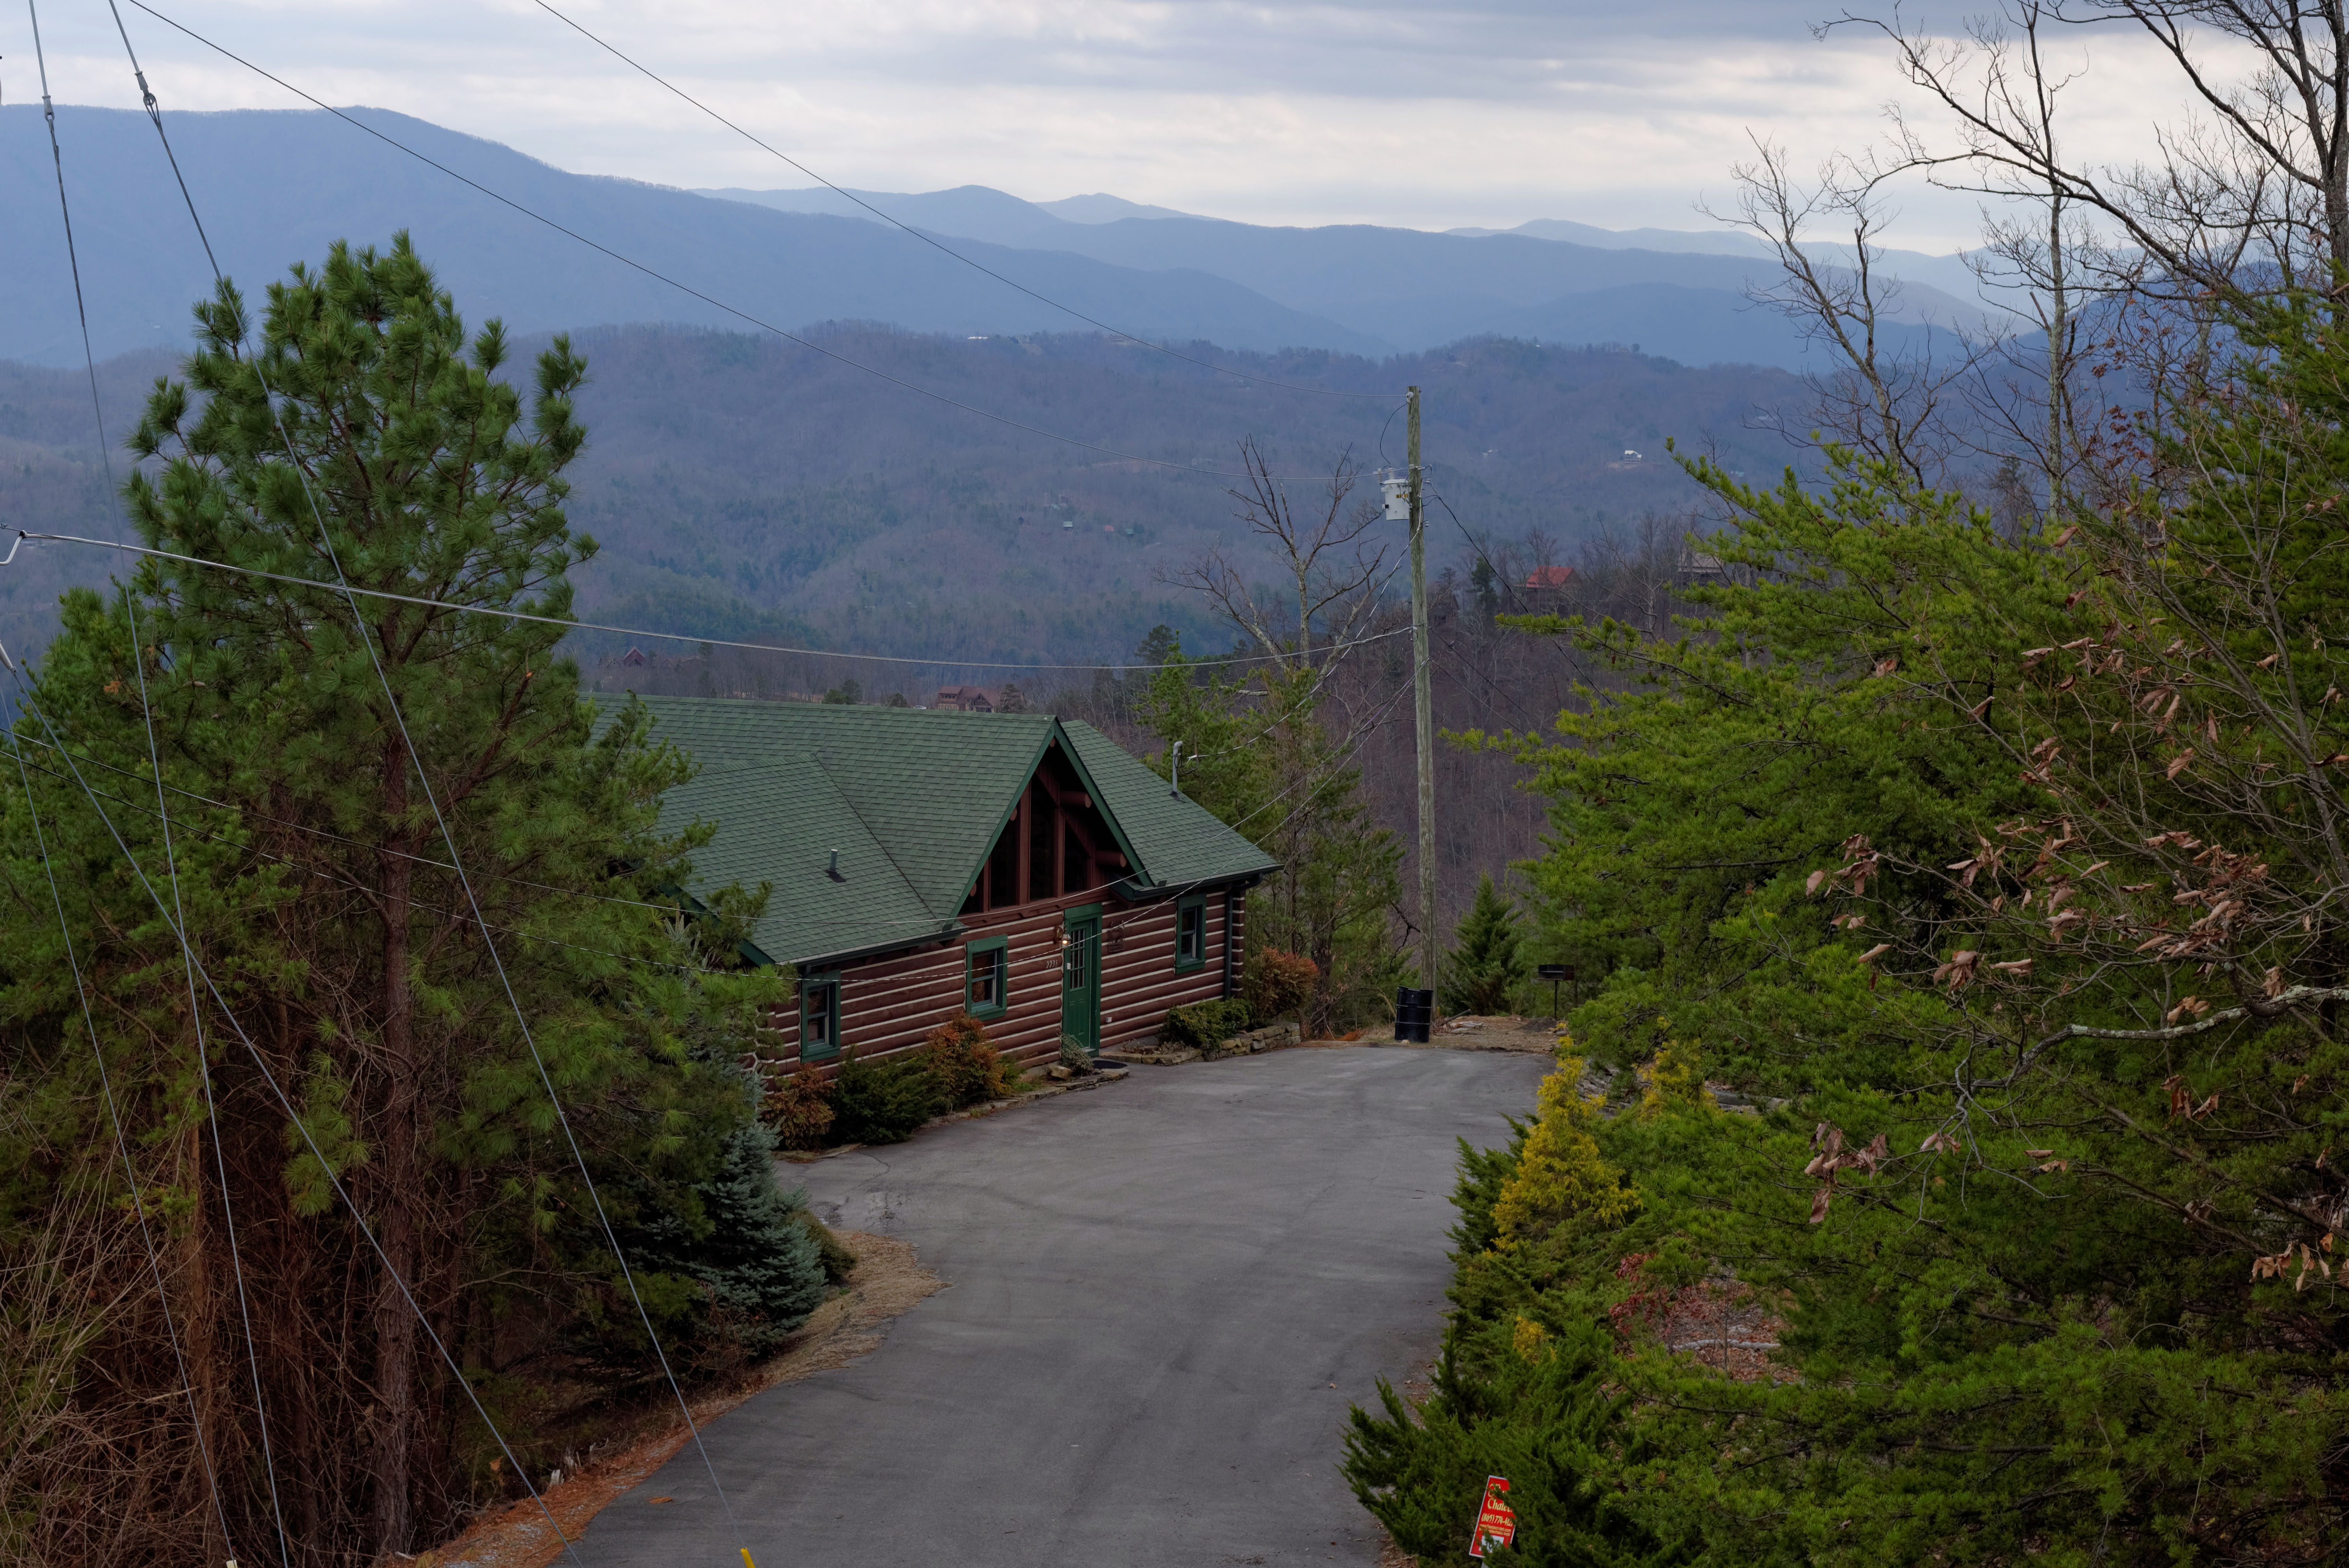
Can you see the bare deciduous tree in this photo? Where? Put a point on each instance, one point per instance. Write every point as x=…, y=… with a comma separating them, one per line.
x=1886, y=396
x=1333, y=571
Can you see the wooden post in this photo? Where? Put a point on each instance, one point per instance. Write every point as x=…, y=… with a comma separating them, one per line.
x=1424, y=707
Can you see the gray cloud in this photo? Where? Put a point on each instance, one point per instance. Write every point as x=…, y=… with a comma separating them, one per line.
x=1274, y=110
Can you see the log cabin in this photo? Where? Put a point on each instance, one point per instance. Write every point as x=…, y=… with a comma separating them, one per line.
x=1021, y=868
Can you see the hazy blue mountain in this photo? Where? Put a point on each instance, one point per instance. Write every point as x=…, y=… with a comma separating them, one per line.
x=278, y=187
x=1720, y=242
x=1687, y=297
x=1102, y=208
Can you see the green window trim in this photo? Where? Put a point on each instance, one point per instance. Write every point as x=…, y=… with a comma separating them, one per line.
x=819, y=1005
x=1190, y=932
x=987, y=961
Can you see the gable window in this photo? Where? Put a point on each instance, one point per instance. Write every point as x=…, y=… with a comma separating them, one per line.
x=1190, y=932
x=819, y=1017
x=987, y=978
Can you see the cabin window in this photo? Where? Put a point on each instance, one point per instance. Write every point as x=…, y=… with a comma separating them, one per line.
x=987, y=979
x=819, y=1017
x=1190, y=932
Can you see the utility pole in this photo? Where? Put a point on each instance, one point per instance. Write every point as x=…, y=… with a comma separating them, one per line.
x=1425, y=708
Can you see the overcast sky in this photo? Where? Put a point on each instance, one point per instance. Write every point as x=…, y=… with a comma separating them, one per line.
x=1284, y=111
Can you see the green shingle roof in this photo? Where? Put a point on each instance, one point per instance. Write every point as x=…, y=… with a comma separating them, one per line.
x=911, y=799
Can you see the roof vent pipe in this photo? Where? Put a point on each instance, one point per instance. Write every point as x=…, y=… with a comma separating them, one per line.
x=1175, y=760
x=832, y=870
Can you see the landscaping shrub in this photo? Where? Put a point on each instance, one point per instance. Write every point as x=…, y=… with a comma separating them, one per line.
x=799, y=1108
x=1206, y=1024
x=725, y=1277
x=1486, y=965
x=882, y=1102
x=1073, y=1055
x=1273, y=983
x=962, y=1057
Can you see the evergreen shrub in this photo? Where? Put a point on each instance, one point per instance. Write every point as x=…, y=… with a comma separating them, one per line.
x=882, y=1102
x=725, y=1277
x=1274, y=982
x=1486, y=962
x=1206, y=1024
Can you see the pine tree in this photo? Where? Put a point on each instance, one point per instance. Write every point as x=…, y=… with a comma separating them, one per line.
x=1485, y=967
x=318, y=896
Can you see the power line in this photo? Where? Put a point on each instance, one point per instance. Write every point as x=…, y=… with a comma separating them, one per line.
x=432, y=799
x=655, y=273
x=928, y=239
x=203, y=1057
x=122, y=1147
x=296, y=1119
x=23, y=534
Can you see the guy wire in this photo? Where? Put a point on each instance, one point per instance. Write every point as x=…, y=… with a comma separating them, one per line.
x=709, y=300
x=455, y=857
x=139, y=663
x=926, y=238
x=122, y=1147
x=294, y=1118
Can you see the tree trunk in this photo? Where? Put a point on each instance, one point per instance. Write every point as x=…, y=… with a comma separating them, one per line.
x=396, y=1211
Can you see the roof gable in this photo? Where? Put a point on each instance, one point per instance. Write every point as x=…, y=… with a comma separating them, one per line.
x=912, y=800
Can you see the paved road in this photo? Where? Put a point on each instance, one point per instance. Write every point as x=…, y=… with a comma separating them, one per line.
x=1163, y=1296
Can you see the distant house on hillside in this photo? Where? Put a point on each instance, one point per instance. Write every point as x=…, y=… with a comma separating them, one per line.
x=964, y=700
x=1020, y=868
x=636, y=659
x=1545, y=587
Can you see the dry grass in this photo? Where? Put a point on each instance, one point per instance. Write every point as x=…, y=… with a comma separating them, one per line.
x=887, y=1279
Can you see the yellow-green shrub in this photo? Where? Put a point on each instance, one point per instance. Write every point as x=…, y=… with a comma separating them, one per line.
x=1561, y=1178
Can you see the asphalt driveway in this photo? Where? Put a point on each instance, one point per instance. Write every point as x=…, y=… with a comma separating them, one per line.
x=1163, y=1296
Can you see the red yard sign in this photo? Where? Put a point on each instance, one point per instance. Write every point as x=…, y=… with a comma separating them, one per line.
x=1496, y=1525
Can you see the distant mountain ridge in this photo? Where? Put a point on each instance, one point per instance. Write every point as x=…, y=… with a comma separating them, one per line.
x=275, y=186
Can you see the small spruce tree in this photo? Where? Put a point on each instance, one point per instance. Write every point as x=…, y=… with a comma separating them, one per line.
x=1485, y=965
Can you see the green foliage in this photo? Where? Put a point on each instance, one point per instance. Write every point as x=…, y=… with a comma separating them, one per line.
x=882, y=1102
x=1205, y=1025
x=1256, y=754
x=314, y=889
x=847, y=693
x=2008, y=861
x=754, y=1270
x=1485, y=967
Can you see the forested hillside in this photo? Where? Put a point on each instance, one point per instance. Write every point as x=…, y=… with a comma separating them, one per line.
x=745, y=487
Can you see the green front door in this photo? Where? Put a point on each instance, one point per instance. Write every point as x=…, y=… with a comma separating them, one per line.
x=1081, y=978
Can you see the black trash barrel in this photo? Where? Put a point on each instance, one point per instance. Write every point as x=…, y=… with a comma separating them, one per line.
x=1414, y=1011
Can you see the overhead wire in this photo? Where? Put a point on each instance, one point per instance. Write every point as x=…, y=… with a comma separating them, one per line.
x=293, y=1116
x=654, y=273
x=123, y=1147
x=941, y=662
x=344, y=879
x=927, y=238
x=138, y=659
x=489, y=942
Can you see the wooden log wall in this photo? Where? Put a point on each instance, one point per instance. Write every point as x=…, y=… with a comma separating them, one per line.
x=888, y=1005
